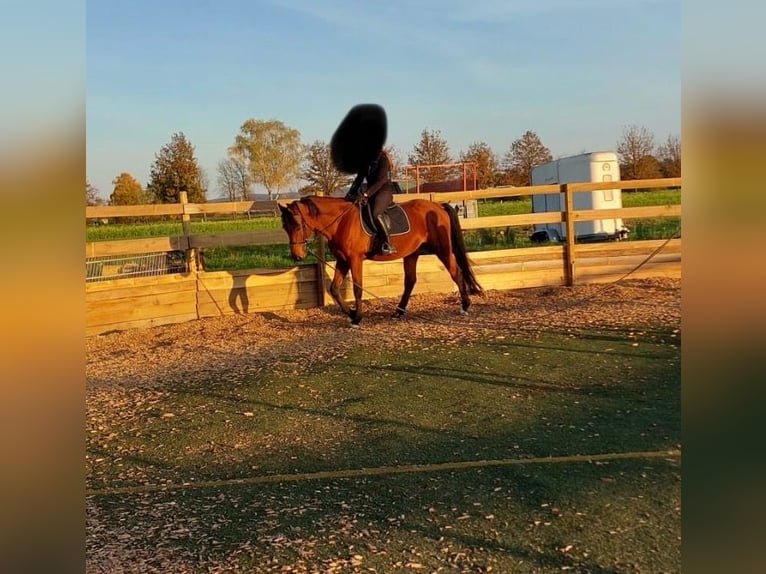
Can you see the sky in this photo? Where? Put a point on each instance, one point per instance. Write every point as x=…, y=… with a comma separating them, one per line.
x=576, y=72
x=42, y=69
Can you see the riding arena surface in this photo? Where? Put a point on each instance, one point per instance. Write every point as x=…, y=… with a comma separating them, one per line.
x=142, y=358
x=128, y=370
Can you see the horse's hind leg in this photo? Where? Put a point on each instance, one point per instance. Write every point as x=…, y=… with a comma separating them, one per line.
x=341, y=270
x=410, y=278
x=449, y=261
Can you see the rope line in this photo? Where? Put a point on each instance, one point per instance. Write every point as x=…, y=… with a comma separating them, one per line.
x=607, y=286
x=386, y=471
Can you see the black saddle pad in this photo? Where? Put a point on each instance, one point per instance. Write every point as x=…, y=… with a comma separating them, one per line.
x=399, y=225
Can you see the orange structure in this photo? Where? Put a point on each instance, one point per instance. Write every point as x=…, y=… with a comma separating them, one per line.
x=468, y=181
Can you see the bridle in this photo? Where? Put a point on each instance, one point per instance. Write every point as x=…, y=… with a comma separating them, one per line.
x=307, y=233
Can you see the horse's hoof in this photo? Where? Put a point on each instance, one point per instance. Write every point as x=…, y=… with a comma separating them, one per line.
x=355, y=325
x=398, y=314
x=463, y=311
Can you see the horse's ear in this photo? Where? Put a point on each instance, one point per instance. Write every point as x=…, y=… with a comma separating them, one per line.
x=282, y=208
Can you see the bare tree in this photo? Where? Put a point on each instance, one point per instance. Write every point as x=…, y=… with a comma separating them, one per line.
x=91, y=195
x=234, y=178
x=204, y=181
x=432, y=149
x=669, y=154
x=320, y=172
x=396, y=161
x=636, y=149
x=524, y=154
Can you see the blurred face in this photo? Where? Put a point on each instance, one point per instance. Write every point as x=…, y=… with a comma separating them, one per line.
x=297, y=232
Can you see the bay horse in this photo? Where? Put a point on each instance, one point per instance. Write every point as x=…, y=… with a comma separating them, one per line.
x=434, y=228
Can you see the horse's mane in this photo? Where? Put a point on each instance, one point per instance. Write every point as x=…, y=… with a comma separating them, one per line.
x=310, y=205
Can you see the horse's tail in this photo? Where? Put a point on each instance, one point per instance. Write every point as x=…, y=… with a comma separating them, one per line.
x=459, y=250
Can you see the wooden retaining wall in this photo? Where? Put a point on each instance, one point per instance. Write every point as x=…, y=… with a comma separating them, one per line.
x=255, y=291
x=140, y=302
x=150, y=301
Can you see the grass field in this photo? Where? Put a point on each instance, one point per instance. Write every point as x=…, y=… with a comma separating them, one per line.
x=116, y=230
x=262, y=440
x=246, y=257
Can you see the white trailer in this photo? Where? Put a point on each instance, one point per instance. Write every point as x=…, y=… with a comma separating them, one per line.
x=595, y=166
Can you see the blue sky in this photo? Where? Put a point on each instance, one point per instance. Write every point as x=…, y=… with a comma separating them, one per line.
x=42, y=69
x=574, y=71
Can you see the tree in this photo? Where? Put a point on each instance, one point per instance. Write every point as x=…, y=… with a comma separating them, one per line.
x=524, y=154
x=396, y=161
x=669, y=154
x=91, y=195
x=175, y=169
x=204, y=183
x=234, y=178
x=127, y=191
x=432, y=149
x=635, y=150
x=320, y=172
x=486, y=163
x=273, y=153
x=308, y=189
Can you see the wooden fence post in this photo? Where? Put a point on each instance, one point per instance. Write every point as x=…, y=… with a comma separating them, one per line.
x=191, y=254
x=569, y=251
x=319, y=246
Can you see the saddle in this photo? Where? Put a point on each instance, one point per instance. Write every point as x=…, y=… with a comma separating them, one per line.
x=398, y=223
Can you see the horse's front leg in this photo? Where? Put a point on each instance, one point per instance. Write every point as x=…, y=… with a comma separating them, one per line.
x=410, y=278
x=341, y=270
x=356, y=276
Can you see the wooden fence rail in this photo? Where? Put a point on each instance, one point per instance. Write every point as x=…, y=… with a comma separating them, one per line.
x=124, y=303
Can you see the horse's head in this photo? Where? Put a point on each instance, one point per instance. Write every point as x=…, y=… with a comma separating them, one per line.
x=298, y=232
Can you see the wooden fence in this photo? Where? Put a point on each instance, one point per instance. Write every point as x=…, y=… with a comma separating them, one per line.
x=139, y=302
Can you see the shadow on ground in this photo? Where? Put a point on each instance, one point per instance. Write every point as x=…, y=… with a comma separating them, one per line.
x=433, y=402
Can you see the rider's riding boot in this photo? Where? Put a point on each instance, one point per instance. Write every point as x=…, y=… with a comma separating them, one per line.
x=385, y=247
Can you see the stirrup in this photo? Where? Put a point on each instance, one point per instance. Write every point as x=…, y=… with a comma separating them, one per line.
x=387, y=249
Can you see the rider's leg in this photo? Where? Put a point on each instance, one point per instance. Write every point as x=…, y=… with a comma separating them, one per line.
x=381, y=200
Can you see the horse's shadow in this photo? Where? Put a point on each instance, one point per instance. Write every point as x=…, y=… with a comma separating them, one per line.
x=239, y=300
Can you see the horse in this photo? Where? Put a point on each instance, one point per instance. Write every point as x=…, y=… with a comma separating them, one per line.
x=433, y=228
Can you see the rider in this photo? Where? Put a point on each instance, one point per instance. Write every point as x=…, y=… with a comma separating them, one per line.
x=379, y=192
